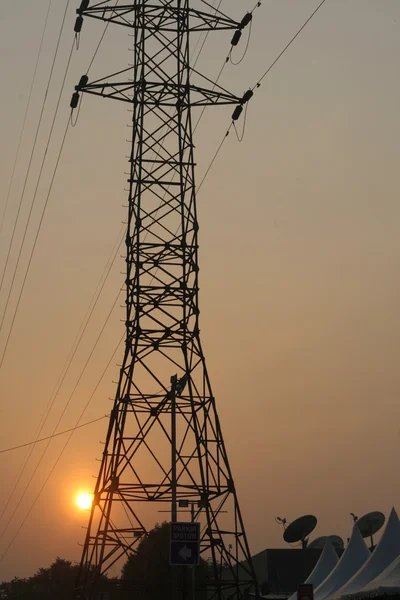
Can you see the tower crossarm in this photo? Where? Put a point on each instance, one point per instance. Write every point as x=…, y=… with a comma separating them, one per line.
x=159, y=93
x=159, y=17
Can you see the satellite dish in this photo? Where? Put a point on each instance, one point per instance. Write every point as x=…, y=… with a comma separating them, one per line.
x=300, y=529
x=319, y=542
x=370, y=524
x=337, y=542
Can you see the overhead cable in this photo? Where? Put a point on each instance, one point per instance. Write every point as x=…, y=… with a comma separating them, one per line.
x=247, y=20
x=34, y=143
x=33, y=249
x=216, y=9
x=258, y=84
x=92, y=305
x=59, y=420
x=50, y=437
x=34, y=198
x=210, y=166
x=100, y=42
x=70, y=358
x=60, y=454
x=33, y=204
x=4, y=213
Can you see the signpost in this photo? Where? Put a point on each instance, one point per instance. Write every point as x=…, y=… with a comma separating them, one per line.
x=185, y=544
x=305, y=591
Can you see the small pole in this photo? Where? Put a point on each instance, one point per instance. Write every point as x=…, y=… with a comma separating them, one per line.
x=194, y=566
x=174, y=510
x=174, y=381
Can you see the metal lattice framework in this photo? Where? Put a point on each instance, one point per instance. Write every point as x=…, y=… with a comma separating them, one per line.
x=164, y=398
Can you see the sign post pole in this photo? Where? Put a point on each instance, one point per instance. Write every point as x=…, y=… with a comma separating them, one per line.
x=193, y=568
x=174, y=510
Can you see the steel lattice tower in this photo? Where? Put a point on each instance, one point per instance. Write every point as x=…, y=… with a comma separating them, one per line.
x=164, y=398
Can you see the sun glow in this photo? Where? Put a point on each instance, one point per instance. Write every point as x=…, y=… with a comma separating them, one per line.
x=84, y=501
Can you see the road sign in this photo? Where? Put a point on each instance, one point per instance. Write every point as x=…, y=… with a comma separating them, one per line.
x=305, y=591
x=185, y=544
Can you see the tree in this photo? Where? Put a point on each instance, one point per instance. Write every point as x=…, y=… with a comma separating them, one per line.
x=17, y=589
x=148, y=571
x=54, y=583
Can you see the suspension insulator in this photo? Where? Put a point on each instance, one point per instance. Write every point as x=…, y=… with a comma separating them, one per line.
x=78, y=24
x=236, y=37
x=246, y=20
x=247, y=96
x=237, y=112
x=82, y=82
x=74, y=100
x=84, y=5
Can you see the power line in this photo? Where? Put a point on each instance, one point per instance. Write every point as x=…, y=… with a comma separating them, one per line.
x=214, y=157
x=258, y=84
x=35, y=194
x=9, y=334
x=203, y=110
x=32, y=206
x=25, y=117
x=92, y=305
x=226, y=61
x=50, y=437
x=81, y=332
x=33, y=248
x=61, y=453
x=34, y=145
x=60, y=419
x=206, y=35
x=100, y=42
x=71, y=355
x=26, y=273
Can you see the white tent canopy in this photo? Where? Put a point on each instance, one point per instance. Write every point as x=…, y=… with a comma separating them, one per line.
x=326, y=563
x=354, y=557
x=388, y=582
x=384, y=554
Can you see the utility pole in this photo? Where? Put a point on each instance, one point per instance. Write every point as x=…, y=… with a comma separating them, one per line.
x=192, y=505
x=174, y=506
x=152, y=422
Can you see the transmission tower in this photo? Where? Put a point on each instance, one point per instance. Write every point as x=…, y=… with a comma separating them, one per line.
x=164, y=446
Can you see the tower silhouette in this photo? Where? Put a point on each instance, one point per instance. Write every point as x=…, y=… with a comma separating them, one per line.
x=164, y=444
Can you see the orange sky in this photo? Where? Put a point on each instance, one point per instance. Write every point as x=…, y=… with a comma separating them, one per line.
x=299, y=269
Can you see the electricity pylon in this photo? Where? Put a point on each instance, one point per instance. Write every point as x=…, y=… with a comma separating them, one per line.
x=164, y=444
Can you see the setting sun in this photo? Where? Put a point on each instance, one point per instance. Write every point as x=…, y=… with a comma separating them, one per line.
x=84, y=501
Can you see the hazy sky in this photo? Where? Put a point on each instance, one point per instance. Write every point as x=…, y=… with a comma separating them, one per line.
x=299, y=258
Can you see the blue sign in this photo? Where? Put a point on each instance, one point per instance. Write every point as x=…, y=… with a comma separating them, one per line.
x=185, y=544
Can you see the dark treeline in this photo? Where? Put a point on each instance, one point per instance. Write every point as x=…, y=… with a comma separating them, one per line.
x=56, y=582
x=146, y=573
